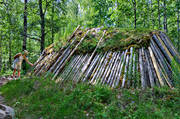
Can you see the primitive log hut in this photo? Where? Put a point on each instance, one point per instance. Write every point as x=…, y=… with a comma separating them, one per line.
x=113, y=57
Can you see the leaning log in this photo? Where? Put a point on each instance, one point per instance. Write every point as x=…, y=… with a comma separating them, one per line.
x=68, y=58
x=92, y=55
x=156, y=67
x=94, y=77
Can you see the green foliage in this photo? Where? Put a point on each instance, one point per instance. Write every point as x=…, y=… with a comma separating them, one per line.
x=36, y=97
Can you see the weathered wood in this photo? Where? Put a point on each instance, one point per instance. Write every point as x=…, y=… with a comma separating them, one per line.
x=111, y=70
x=61, y=61
x=160, y=45
x=68, y=58
x=108, y=68
x=161, y=59
x=129, y=77
x=106, y=63
x=98, y=79
x=96, y=70
x=156, y=67
x=125, y=72
x=121, y=68
x=170, y=46
x=80, y=67
x=91, y=68
x=143, y=83
x=67, y=76
x=93, y=80
x=64, y=72
x=146, y=78
x=113, y=75
x=151, y=77
x=92, y=55
x=163, y=67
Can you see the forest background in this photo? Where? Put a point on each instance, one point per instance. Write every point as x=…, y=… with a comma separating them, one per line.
x=34, y=24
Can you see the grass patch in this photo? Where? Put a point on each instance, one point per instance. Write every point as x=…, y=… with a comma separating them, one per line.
x=37, y=97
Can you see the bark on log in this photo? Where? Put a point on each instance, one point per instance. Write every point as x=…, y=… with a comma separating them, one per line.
x=143, y=83
x=94, y=78
x=121, y=68
x=92, y=55
x=125, y=72
x=62, y=66
x=156, y=67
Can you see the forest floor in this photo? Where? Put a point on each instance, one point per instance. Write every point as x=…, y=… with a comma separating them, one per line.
x=34, y=98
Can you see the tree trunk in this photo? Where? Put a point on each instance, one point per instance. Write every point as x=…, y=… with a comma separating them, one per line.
x=165, y=18
x=178, y=29
x=135, y=19
x=42, y=22
x=25, y=31
x=1, y=52
x=159, y=17
x=52, y=25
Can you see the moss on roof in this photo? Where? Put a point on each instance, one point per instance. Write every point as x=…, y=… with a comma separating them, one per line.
x=114, y=39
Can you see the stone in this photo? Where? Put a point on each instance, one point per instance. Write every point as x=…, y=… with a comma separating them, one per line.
x=6, y=112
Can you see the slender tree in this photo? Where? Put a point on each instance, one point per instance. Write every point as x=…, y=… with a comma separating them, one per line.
x=165, y=17
x=42, y=23
x=159, y=16
x=178, y=29
x=134, y=7
x=25, y=31
x=52, y=22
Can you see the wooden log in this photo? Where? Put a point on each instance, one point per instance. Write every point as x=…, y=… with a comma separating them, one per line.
x=161, y=58
x=112, y=68
x=171, y=45
x=61, y=61
x=113, y=75
x=73, y=67
x=125, y=72
x=143, y=82
x=68, y=58
x=86, y=74
x=121, y=68
x=171, y=48
x=98, y=78
x=91, y=68
x=108, y=68
x=92, y=55
x=77, y=74
x=156, y=67
x=94, y=77
x=150, y=72
x=43, y=67
x=105, y=66
x=163, y=49
x=96, y=70
x=66, y=71
x=117, y=72
x=156, y=80
x=73, y=34
x=41, y=64
x=51, y=63
x=164, y=68
x=146, y=78
x=129, y=77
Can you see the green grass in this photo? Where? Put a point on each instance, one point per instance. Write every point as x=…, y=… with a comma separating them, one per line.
x=36, y=97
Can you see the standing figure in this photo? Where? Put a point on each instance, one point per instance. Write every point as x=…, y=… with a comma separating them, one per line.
x=17, y=63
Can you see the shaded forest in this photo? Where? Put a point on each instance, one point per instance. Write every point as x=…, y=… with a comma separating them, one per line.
x=33, y=25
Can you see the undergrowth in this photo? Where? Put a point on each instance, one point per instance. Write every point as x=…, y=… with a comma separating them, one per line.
x=42, y=98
